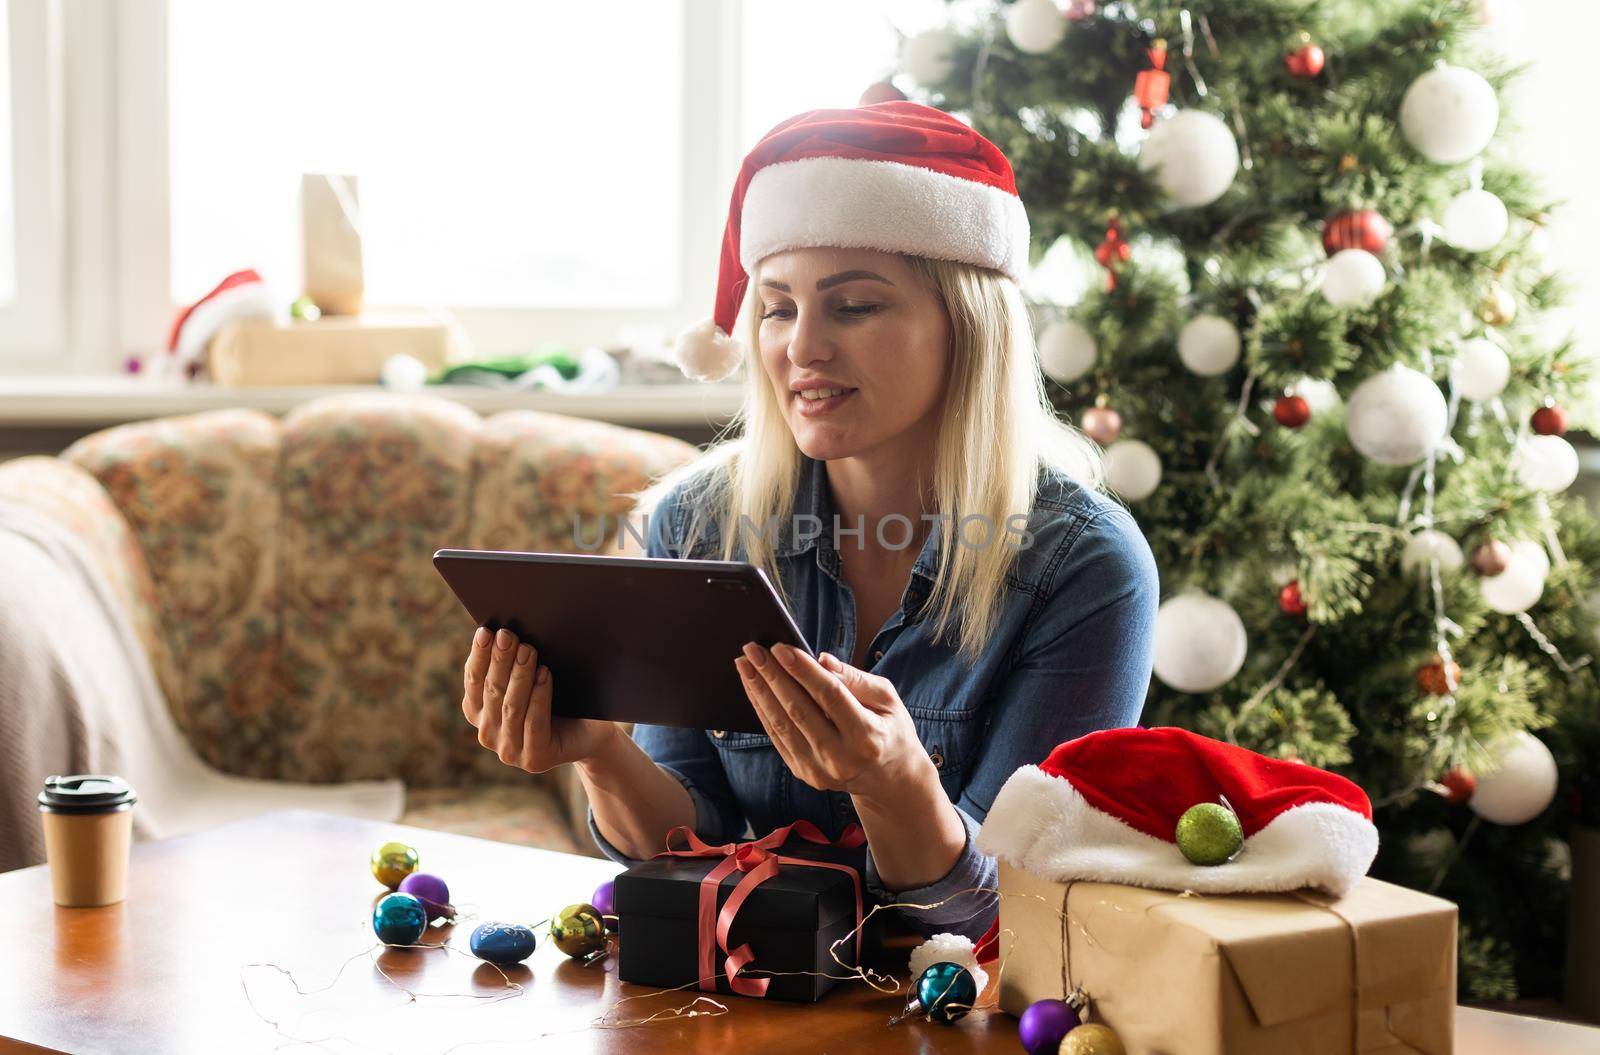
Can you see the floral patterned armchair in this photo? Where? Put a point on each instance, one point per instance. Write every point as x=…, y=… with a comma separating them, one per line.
x=279, y=573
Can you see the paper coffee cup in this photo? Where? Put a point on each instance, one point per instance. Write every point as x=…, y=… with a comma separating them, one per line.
x=88, y=832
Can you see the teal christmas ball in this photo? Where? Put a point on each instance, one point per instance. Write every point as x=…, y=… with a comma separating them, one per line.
x=502, y=944
x=1209, y=833
x=399, y=919
x=946, y=991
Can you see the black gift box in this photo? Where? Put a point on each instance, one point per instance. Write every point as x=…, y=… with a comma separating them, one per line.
x=789, y=921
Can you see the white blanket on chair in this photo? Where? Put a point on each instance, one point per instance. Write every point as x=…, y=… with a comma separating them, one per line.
x=78, y=695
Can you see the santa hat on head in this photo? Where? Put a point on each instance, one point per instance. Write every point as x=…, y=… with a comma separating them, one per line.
x=1105, y=807
x=894, y=176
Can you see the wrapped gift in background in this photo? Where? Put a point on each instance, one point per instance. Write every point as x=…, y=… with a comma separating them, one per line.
x=783, y=901
x=1207, y=899
x=332, y=350
x=330, y=215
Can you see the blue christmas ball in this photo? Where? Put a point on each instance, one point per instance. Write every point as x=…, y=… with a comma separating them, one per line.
x=502, y=944
x=399, y=919
x=946, y=992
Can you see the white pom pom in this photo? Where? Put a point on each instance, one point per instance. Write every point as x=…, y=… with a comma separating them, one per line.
x=705, y=353
x=405, y=373
x=948, y=948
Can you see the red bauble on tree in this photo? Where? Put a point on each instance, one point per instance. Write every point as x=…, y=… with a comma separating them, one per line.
x=1113, y=251
x=1458, y=786
x=1151, y=86
x=1290, y=601
x=1549, y=421
x=1438, y=678
x=1291, y=411
x=882, y=92
x=1306, y=61
x=1356, y=229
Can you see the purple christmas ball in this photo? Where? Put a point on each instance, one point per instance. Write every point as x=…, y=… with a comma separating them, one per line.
x=604, y=901
x=431, y=891
x=1044, y=1024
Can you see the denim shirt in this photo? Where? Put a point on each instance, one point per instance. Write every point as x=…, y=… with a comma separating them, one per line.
x=1071, y=653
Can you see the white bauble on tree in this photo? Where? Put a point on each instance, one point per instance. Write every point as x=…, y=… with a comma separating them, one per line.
x=1321, y=396
x=1427, y=545
x=929, y=57
x=1194, y=156
x=1035, y=26
x=1353, y=278
x=1209, y=345
x=1133, y=469
x=1517, y=588
x=1200, y=642
x=1475, y=221
x=1533, y=553
x=1067, y=351
x=1397, y=417
x=1546, y=463
x=1481, y=369
x=1522, y=784
x=1449, y=114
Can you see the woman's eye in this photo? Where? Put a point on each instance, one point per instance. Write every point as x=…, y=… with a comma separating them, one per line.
x=773, y=313
x=859, y=310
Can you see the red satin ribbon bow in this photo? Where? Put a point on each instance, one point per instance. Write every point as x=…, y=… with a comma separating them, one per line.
x=759, y=863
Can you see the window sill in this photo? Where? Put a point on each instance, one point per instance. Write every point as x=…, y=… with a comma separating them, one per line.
x=96, y=402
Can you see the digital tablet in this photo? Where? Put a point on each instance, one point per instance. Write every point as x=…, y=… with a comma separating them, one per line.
x=629, y=639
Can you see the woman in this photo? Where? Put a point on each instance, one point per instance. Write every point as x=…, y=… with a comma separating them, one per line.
x=938, y=532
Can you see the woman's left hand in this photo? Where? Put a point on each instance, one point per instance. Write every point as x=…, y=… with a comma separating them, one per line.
x=837, y=727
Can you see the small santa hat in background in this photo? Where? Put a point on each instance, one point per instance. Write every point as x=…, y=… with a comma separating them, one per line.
x=895, y=176
x=242, y=295
x=1105, y=807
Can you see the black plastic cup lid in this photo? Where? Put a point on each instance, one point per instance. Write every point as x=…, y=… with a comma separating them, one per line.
x=85, y=793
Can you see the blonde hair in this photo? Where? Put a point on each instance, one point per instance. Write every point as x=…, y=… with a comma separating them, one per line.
x=997, y=431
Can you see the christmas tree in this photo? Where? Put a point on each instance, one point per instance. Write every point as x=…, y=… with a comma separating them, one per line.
x=1310, y=352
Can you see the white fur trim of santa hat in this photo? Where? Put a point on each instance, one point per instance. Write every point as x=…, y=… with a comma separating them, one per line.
x=896, y=176
x=884, y=205
x=1295, y=835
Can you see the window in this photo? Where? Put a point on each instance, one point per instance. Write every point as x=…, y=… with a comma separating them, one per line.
x=30, y=186
x=507, y=154
x=821, y=54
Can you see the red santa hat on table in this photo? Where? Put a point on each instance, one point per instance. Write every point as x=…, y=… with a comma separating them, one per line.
x=1105, y=807
x=242, y=295
x=895, y=176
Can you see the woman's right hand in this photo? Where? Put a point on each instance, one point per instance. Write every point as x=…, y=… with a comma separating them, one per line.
x=507, y=696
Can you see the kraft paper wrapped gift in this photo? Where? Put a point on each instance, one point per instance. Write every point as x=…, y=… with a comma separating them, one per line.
x=332, y=350
x=1237, y=974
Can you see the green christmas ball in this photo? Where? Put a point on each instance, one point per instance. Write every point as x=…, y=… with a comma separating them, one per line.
x=1209, y=834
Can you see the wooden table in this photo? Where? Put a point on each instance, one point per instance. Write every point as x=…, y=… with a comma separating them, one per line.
x=166, y=970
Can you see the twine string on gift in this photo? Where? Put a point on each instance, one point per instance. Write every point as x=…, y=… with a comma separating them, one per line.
x=1355, y=963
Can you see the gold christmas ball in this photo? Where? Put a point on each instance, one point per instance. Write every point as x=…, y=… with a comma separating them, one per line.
x=578, y=930
x=392, y=862
x=1092, y=1039
x=1498, y=307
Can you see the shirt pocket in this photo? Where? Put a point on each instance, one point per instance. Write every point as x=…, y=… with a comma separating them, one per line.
x=757, y=775
x=951, y=740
